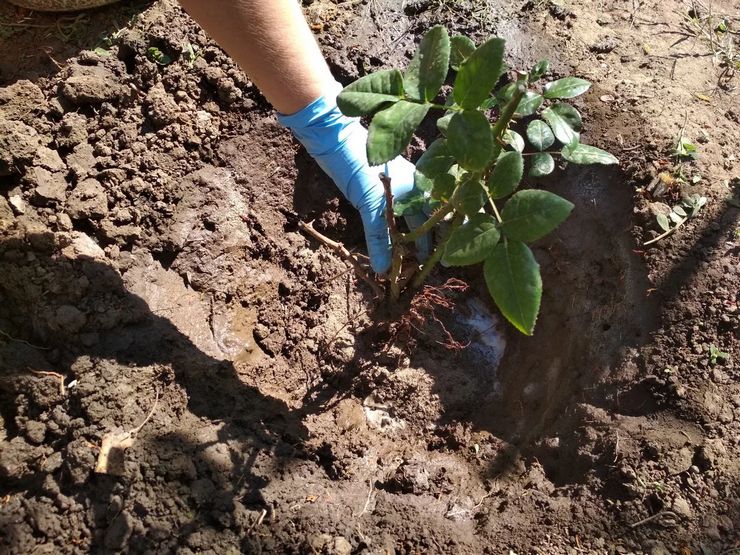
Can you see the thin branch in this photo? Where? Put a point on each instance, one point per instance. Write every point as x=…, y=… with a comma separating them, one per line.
x=342, y=251
x=396, y=250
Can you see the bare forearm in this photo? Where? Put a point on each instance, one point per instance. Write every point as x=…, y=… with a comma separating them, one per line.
x=273, y=44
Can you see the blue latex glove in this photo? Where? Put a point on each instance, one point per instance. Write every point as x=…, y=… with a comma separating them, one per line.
x=337, y=143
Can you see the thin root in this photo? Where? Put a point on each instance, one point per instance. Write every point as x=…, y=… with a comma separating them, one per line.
x=342, y=251
x=56, y=375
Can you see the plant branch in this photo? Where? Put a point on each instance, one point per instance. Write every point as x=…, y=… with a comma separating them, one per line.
x=431, y=262
x=502, y=124
x=495, y=210
x=427, y=226
x=396, y=249
x=342, y=251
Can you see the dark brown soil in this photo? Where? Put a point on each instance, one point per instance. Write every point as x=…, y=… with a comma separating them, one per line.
x=149, y=255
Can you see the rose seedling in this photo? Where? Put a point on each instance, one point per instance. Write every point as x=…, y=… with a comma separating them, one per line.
x=469, y=177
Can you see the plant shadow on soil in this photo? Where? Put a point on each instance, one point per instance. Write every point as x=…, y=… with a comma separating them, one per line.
x=251, y=422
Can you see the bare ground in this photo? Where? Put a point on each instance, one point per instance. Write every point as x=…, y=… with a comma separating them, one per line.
x=149, y=251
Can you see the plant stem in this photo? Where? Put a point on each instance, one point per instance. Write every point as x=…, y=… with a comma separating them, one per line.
x=502, y=124
x=431, y=262
x=495, y=210
x=396, y=250
x=427, y=226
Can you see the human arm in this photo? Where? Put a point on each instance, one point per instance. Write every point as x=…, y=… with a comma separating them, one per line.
x=273, y=44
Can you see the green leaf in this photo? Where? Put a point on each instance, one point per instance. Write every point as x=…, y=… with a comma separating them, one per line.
x=540, y=68
x=479, y=73
x=663, y=222
x=489, y=103
x=444, y=185
x=436, y=160
x=428, y=68
x=675, y=218
x=471, y=196
x=370, y=93
x=461, y=48
x=560, y=122
x=569, y=114
x=568, y=87
x=579, y=153
x=529, y=104
x=156, y=55
x=530, y=215
x=422, y=182
x=443, y=123
x=472, y=242
x=413, y=202
x=505, y=93
x=470, y=139
x=514, y=140
x=513, y=279
x=540, y=135
x=100, y=51
x=391, y=130
x=542, y=164
x=506, y=174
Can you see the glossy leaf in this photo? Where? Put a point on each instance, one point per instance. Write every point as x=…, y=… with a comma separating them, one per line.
x=391, y=130
x=443, y=123
x=540, y=135
x=529, y=104
x=506, y=175
x=505, y=93
x=489, y=103
x=568, y=87
x=428, y=68
x=412, y=202
x=422, y=182
x=514, y=140
x=370, y=93
x=436, y=160
x=540, y=68
x=443, y=187
x=471, y=196
x=532, y=214
x=578, y=153
x=461, y=47
x=560, y=124
x=472, y=242
x=513, y=279
x=470, y=139
x=542, y=164
x=479, y=73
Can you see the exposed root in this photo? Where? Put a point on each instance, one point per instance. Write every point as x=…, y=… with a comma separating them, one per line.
x=423, y=307
x=342, y=251
x=56, y=375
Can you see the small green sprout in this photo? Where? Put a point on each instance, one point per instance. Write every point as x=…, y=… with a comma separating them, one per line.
x=159, y=57
x=191, y=52
x=679, y=215
x=715, y=355
x=477, y=160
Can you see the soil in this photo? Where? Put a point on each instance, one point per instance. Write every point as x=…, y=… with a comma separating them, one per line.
x=150, y=262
